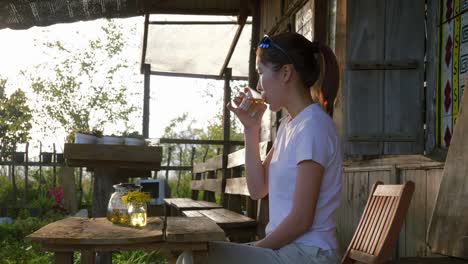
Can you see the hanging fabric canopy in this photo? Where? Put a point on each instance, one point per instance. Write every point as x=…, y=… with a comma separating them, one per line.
x=197, y=45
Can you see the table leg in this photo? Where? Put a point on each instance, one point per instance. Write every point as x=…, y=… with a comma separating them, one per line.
x=63, y=257
x=88, y=257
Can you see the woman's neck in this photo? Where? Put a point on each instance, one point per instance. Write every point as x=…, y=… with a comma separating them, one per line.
x=297, y=102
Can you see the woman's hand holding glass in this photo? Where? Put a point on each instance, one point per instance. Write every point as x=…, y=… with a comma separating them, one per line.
x=248, y=108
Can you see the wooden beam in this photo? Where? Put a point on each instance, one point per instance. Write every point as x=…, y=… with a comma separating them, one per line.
x=320, y=16
x=193, y=75
x=253, y=77
x=233, y=45
x=195, y=23
x=146, y=100
x=145, y=44
x=226, y=127
x=197, y=141
x=209, y=7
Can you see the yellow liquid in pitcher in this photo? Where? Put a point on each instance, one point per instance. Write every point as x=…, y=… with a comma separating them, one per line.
x=138, y=219
x=118, y=216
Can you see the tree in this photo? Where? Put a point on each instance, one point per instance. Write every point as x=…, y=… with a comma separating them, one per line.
x=86, y=89
x=182, y=127
x=15, y=119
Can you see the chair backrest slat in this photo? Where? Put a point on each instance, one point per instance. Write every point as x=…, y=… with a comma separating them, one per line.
x=371, y=229
x=380, y=223
x=360, y=233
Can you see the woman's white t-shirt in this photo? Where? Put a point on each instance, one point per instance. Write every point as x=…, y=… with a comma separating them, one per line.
x=311, y=135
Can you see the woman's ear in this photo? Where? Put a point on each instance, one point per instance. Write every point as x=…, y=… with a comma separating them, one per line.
x=286, y=72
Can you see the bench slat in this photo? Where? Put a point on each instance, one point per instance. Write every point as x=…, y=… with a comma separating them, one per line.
x=228, y=219
x=194, y=205
x=238, y=158
x=191, y=214
x=212, y=164
x=212, y=185
x=237, y=186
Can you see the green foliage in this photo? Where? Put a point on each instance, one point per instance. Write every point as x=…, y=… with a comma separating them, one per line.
x=138, y=257
x=15, y=119
x=83, y=89
x=184, y=186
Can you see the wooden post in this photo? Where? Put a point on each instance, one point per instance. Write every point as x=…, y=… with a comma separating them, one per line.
x=253, y=78
x=192, y=175
x=41, y=181
x=226, y=125
x=80, y=182
x=146, y=100
x=67, y=181
x=234, y=200
x=168, y=189
x=63, y=257
x=209, y=195
x=13, y=176
x=320, y=15
x=104, y=178
x=179, y=172
x=26, y=175
x=54, y=171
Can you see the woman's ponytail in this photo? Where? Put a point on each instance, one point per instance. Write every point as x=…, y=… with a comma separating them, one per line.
x=329, y=77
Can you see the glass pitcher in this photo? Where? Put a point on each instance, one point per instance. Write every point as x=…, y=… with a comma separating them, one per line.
x=117, y=211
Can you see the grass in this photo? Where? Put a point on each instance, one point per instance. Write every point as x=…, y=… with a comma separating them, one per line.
x=13, y=247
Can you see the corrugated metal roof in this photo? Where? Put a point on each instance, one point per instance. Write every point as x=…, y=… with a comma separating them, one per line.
x=23, y=14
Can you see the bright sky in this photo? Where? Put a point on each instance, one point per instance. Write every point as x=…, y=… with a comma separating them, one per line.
x=170, y=96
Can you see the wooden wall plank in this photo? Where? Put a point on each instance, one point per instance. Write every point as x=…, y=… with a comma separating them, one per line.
x=364, y=88
x=340, y=52
x=431, y=65
x=270, y=12
x=403, y=89
x=356, y=192
x=412, y=241
x=433, y=179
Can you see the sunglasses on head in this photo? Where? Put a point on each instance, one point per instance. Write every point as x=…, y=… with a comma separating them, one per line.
x=267, y=42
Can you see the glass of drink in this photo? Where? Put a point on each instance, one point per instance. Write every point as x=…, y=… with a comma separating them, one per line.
x=250, y=99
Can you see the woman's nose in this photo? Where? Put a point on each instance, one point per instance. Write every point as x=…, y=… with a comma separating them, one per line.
x=259, y=87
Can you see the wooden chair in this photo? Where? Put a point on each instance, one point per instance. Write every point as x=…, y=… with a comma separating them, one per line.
x=380, y=224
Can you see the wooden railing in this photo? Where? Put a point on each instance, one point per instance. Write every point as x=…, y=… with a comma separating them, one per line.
x=231, y=186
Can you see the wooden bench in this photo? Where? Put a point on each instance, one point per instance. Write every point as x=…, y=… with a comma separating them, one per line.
x=238, y=216
x=175, y=206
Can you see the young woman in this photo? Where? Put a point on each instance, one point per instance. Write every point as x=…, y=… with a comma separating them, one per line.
x=302, y=172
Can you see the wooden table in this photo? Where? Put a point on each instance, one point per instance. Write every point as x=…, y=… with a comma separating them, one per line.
x=112, y=164
x=91, y=235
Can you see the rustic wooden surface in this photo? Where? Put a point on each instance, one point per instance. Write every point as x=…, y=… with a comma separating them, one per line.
x=192, y=213
x=383, y=107
x=212, y=185
x=189, y=204
x=448, y=231
x=193, y=229
x=404, y=88
x=210, y=165
x=238, y=158
x=67, y=180
x=227, y=219
x=97, y=231
x=121, y=156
